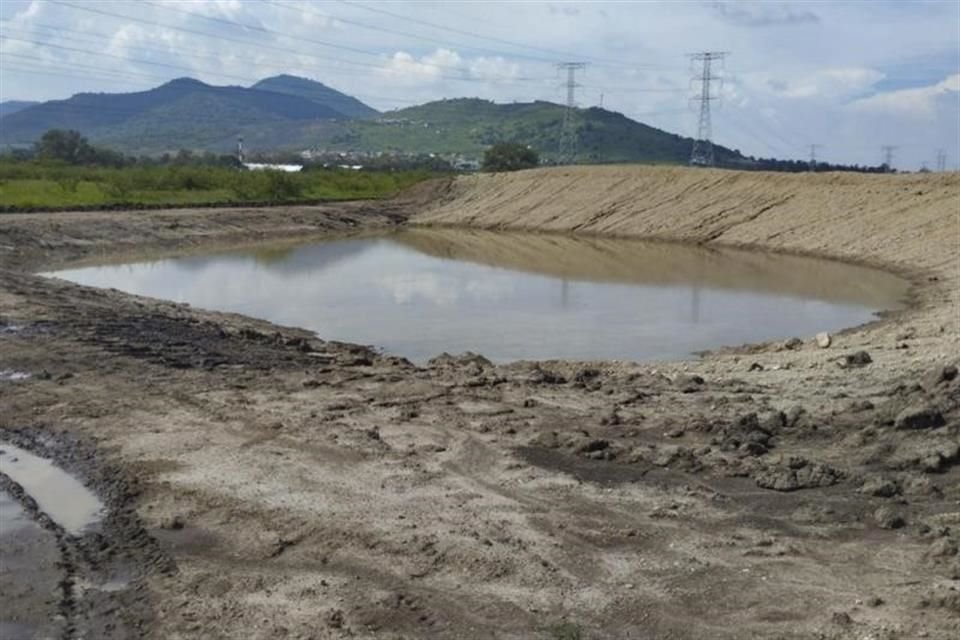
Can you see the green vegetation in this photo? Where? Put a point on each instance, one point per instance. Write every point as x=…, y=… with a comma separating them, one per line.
x=509, y=156
x=43, y=184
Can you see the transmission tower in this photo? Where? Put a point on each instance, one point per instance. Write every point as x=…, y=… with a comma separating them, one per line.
x=941, y=159
x=813, y=156
x=568, y=130
x=702, y=154
x=887, y=151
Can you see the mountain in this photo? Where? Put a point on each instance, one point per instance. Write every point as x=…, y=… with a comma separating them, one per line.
x=287, y=113
x=317, y=92
x=12, y=106
x=466, y=126
x=182, y=113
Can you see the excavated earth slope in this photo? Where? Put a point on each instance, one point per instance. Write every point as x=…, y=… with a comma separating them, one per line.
x=261, y=482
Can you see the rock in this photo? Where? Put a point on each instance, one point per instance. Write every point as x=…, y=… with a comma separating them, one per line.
x=888, y=518
x=545, y=376
x=874, y=601
x=595, y=444
x=927, y=455
x=841, y=618
x=918, y=417
x=335, y=619
x=173, y=523
x=880, y=487
x=943, y=548
x=939, y=376
x=772, y=422
x=756, y=366
x=752, y=449
x=795, y=416
x=583, y=376
x=797, y=473
x=792, y=344
x=824, y=340
x=856, y=360
x=466, y=358
x=688, y=383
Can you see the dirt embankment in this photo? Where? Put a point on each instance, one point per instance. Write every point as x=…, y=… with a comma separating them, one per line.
x=306, y=489
x=906, y=223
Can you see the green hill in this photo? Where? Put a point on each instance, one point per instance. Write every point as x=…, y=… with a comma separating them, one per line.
x=317, y=92
x=182, y=113
x=467, y=126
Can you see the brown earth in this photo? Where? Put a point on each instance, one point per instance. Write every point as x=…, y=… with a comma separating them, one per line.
x=264, y=483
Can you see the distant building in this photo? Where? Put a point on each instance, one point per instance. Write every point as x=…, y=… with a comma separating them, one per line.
x=263, y=166
x=463, y=164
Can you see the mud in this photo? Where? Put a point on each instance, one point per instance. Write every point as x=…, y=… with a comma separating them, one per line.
x=261, y=482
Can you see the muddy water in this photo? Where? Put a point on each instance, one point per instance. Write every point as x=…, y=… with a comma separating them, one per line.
x=58, y=494
x=512, y=296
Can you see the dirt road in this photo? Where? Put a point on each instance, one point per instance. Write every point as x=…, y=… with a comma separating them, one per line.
x=263, y=483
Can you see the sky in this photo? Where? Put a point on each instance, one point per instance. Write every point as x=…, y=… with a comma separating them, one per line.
x=848, y=76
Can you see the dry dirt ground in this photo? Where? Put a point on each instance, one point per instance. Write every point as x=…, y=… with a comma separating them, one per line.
x=263, y=483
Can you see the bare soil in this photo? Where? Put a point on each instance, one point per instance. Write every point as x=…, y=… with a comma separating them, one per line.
x=264, y=483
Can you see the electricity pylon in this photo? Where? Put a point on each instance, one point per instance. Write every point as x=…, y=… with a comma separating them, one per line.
x=568, y=130
x=702, y=154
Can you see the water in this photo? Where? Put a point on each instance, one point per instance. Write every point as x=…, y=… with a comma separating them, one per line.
x=58, y=494
x=420, y=292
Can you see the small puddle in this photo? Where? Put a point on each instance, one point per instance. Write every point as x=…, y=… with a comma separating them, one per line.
x=12, y=517
x=61, y=496
x=9, y=375
x=15, y=631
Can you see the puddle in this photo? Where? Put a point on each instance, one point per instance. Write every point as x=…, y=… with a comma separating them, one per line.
x=511, y=296
x=15, y=631
x=9, y=375
x=61, y=496
x=12, y=517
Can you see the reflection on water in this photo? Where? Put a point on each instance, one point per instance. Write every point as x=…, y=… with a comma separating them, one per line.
x=512, y=296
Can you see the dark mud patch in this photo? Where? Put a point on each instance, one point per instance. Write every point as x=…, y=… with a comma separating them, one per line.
x=604, y=473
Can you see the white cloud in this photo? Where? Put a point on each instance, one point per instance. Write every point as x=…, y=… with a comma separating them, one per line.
x=920, y=102
x=431, y=67
x=829, y=84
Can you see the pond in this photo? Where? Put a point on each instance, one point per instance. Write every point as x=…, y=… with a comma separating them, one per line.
x=511, y=296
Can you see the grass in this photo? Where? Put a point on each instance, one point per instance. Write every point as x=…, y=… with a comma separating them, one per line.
x=31, y=185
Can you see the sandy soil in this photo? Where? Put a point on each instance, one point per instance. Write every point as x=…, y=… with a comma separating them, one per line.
x=264, y=483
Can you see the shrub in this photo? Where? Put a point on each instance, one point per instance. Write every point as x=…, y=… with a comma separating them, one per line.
x=508, y=156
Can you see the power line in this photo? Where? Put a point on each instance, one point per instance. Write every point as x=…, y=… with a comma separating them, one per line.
x=407, y=34
x=312, y=41
x=702, y=154
x=470, y=34
x=568, y=133
x=192, y=70
x=296, y=52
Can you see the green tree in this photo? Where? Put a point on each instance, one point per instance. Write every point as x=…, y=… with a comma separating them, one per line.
x=72, y=148
x=65, y=146
x=509, y=156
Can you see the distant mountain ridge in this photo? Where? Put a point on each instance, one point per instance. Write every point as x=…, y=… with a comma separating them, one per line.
x=12, y=106
x=317, y=92
x=182, y=113
x=287, y=113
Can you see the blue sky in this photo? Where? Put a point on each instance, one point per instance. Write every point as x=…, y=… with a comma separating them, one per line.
x=850, y=76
